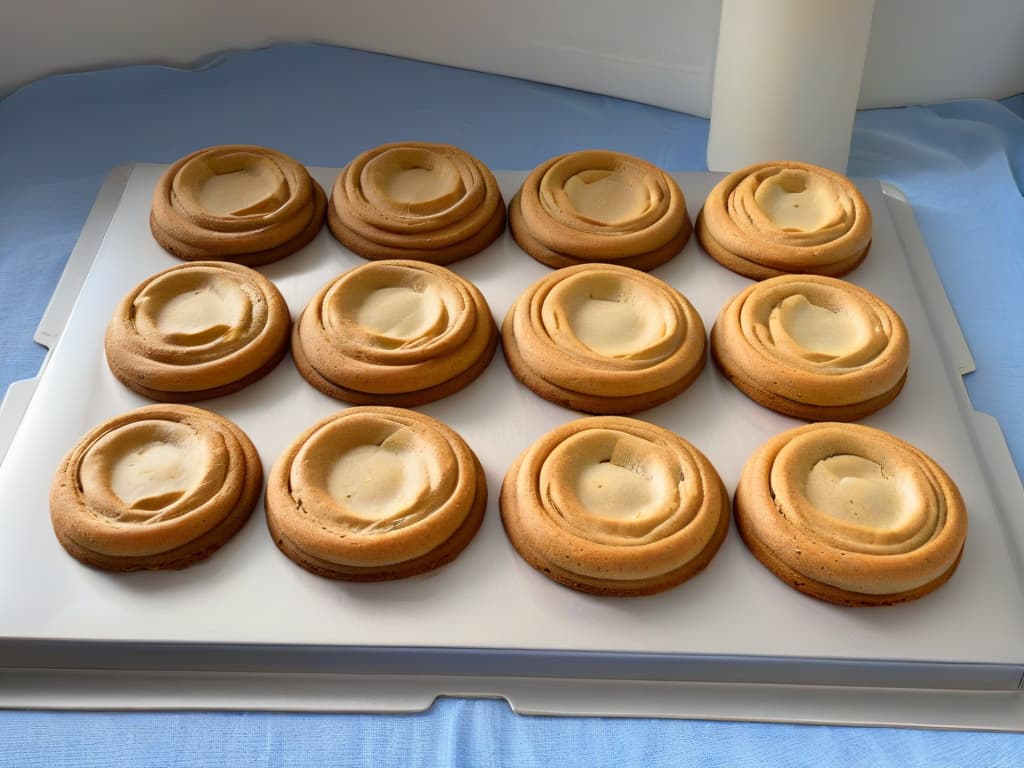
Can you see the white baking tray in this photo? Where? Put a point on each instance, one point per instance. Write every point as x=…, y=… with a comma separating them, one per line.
x=249, y=629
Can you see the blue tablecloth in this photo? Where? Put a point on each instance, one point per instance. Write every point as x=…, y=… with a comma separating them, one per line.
x=960, y=164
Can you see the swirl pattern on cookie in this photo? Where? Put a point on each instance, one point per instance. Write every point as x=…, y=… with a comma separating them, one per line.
x=851, y=514
x=159, y=487
x=245, y=204
x=785, y=217
x=813, y=347
x=375, y=493
x=197, y=331
x=394, y=333
x=614, y=506
x=427, y=202
x=601, y=338
x=600, y=206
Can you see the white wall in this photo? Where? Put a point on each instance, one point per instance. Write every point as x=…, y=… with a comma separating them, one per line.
x=925, y=51
x=655, y=51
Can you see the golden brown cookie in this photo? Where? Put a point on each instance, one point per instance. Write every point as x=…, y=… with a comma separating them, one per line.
x=614, y=506
x=244, y=204
x=395, y=332
x=812, y=347
x=196, y=331
x=159, y=487
x=373, y=493
x=427, y=202
x=851, y=514
x=600, y=206
x=601, y=338
x=785, y=217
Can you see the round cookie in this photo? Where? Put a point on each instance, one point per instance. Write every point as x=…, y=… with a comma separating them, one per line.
x=602, y=338
x=785, y=217
x=599, y=206
x=812, y=347
x=419, y=201
x=373, y=493
x=239, y=203
x=614, y=506
x=851, y=515
x=394, y=332
x=197, y=331
x=159, y=487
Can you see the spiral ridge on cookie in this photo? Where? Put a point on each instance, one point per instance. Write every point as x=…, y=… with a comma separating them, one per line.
x=813, y=347
x=415, y=200
x=851, y=514
x=601, y=338
x=394, y=333
x=240, y=203
x=196, y=331
x=616, y=506
x=159, y=487
x=785, y=217
x=600, y=206
x=374, y=493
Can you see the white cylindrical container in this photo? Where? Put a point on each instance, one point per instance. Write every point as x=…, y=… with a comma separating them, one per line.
x=787, y=78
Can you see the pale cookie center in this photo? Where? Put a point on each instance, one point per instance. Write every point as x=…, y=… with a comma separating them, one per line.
x=855, y=490
x=614, y=326
x=610, y=491
x=606, y=196
x=237, y=192
x=797, y=202
x=416, y=185
x=611, y=479
x=400, y=312
x=150, y=470
x=200, y=312
x=820, y=330
x=376, y=483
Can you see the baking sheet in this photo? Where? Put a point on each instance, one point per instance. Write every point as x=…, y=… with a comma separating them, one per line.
x=489, y=614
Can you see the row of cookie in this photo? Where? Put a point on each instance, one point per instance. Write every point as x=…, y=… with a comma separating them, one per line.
x=596, y=338
x=606, y=505
x=437, y=203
